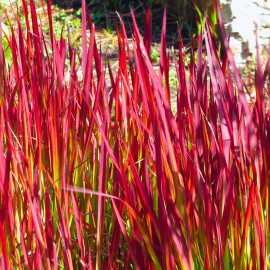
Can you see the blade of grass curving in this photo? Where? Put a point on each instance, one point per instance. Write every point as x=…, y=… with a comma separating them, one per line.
x=143, y=79
x=163, y=67
x=26, y=16
x=4, y=247
x=84, y=40
x=197, y=99
x=89, y=63
x=126, y=45
x=101, y=189
x=59, y=63
x=22, y=57
x=113, y=85
x=50, y=20
x=36, y=35
x=49, y=225
x=124, y=105
x=96, y=54
x=13, y=45
x=147, y=38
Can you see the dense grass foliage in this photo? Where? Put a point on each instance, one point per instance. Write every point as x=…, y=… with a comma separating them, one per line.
x=92, y=179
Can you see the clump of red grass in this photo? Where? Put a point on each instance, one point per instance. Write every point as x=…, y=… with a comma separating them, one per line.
x=149, y=189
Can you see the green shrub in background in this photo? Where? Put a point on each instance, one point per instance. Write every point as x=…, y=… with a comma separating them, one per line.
x=187, y=13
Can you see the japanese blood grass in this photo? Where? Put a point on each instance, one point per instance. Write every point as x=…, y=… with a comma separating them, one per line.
x=150, y=189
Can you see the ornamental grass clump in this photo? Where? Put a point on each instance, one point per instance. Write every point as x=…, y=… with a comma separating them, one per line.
x=97, y=180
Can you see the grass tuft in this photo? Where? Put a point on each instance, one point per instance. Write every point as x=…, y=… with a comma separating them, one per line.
x=92, y=178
